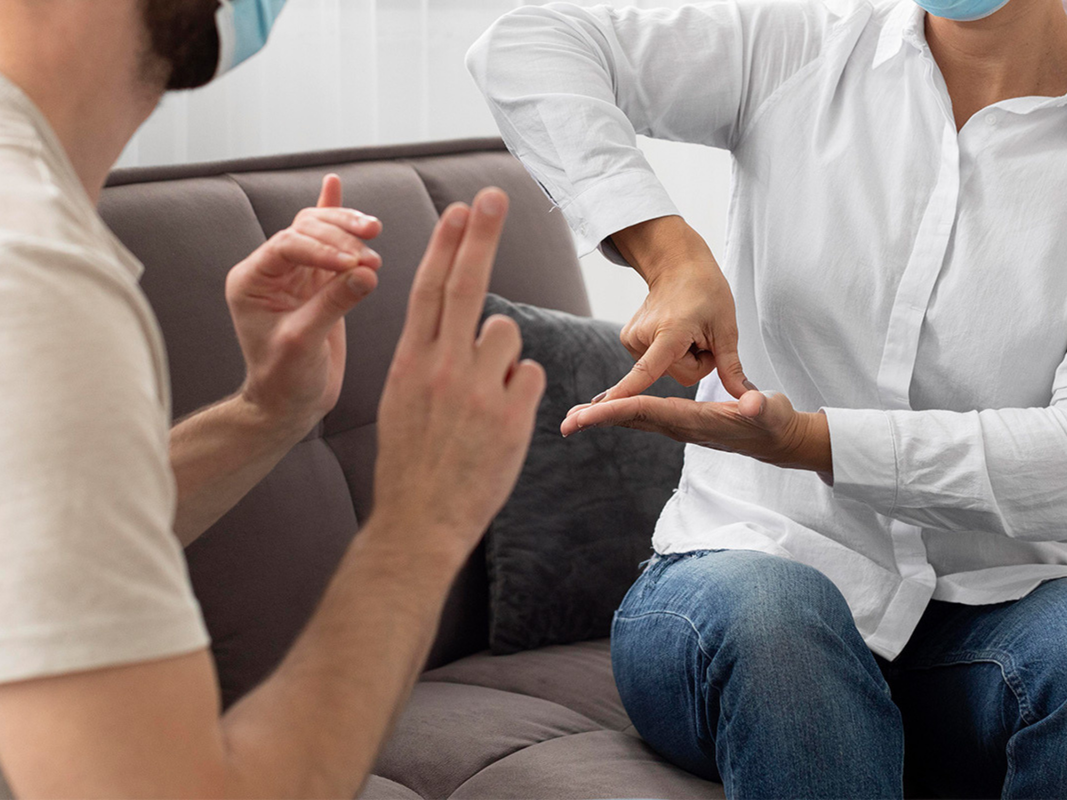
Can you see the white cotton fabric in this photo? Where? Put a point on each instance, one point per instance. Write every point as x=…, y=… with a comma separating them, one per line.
x=91, y=573
x=909, y=280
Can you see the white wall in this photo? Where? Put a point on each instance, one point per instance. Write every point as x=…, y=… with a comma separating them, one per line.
x=346, y=73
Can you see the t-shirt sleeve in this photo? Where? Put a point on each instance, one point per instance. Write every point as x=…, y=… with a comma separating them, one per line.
x=571, y=88
x=91, y=574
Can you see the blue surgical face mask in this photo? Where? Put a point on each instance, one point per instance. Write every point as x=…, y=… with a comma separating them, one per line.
x=244, y=26
x=962, y=10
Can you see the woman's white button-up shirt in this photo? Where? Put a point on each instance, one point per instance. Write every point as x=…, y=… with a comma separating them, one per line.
x=908, y=279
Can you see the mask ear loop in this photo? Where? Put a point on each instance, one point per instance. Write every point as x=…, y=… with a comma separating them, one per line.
x=227, y=29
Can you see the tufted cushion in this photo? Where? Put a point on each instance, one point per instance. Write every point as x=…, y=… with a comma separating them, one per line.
x=544, y=723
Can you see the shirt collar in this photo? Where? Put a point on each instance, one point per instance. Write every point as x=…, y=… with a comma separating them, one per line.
x=903, y=23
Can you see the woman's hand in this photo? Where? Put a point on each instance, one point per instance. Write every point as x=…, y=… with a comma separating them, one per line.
x=288, y=300
x=687, y=325
x=764, y=427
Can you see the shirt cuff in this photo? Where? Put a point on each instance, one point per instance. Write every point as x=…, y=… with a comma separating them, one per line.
x=864, y=457
x=613, y=203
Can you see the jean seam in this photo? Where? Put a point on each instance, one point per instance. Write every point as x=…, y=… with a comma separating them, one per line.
x=1008, y=671
x=1009, y=776
x=705, y=685
x=689, y=622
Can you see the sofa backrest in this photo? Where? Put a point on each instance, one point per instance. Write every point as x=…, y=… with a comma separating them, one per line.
x=260, y=571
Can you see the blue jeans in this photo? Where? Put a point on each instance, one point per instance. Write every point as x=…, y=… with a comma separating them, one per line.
x=747, y=668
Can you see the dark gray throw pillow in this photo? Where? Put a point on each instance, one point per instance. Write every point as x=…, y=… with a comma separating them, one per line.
x=569, y=541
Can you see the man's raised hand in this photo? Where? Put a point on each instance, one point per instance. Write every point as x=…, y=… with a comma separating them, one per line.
x=288, y=300
x=458, y=408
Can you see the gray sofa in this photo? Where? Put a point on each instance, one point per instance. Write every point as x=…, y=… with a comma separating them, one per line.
x=541, y=723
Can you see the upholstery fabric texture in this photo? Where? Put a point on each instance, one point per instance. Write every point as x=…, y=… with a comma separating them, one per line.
x=568, y=543
x=544, y=723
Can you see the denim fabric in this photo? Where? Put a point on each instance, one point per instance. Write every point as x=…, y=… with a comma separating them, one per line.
x=983, y=692
x=747, y=668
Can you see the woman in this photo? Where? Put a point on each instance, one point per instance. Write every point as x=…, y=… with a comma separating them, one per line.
x=897, y=258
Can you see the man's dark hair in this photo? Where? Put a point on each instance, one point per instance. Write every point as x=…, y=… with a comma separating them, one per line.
x=183, y=41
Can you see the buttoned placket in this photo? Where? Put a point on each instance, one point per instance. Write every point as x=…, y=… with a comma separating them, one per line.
x=914, y=292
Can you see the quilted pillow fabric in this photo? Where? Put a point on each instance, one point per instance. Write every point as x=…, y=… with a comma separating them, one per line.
x=568, y=544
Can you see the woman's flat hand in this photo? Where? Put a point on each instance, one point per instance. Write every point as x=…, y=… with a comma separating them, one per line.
x=762, y=426
x=687, y=326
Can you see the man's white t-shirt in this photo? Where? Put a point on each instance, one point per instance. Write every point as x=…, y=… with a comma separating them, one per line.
x=91, y=573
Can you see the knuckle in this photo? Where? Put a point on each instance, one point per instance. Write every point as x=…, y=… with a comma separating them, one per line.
x=403, y=361
x=278, y=241
x=641, y=368
x=289, y=340
x=503, y=329
x=463, y=286
x=443, y=374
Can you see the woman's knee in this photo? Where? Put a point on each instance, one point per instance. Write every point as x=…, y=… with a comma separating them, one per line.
x=660, y=673
x=751, y=601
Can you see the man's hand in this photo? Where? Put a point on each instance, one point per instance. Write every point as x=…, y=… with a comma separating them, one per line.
x=687, y=325
x=764, y=427
x=288, y=300
x=458, y=408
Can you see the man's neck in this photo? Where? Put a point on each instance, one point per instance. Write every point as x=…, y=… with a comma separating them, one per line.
x=80, y=62
x=1019, y=51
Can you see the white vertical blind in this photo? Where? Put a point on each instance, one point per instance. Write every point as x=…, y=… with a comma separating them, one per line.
x=348, y=73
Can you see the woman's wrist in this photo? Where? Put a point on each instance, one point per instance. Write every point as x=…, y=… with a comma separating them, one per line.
x=660, y=246
x=817, y=455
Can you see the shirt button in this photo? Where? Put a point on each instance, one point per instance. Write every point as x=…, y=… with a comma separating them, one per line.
x=991, y=119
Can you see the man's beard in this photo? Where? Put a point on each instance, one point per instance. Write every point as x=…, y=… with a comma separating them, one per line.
x=183, y=42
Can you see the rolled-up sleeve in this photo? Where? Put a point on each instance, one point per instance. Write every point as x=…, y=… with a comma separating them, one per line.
x=1001, y=471
x=571, y=89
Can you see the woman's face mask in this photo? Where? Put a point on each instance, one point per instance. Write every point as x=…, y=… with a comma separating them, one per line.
x=962, y=10
x=244, y=26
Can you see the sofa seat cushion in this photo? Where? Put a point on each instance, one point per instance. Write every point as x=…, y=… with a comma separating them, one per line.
x=544, y=723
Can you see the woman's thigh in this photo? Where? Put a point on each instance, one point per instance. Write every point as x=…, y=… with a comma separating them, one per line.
x=983, y=691
x=748, y=668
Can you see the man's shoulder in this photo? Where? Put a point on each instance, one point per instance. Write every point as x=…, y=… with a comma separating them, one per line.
x=33, y=205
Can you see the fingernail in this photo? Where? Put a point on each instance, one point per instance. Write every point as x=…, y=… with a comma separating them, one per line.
x=372, y=253
x=491, y=205
x=361, y=217
x=457, y=218
x=749, y=385
x=598, y=398
x=351, y=259
x=355, y=284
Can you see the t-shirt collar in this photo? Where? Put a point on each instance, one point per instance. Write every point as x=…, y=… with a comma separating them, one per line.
x=29, y=124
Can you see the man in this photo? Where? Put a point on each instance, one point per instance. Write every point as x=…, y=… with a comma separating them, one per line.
x=106, y=688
